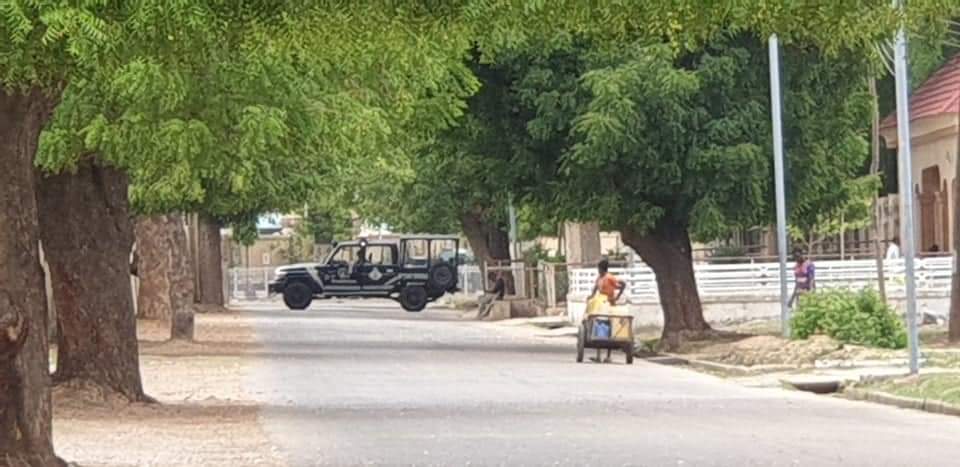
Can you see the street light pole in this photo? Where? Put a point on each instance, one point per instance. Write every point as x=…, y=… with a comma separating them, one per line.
x=905, y=169
x=776, y=115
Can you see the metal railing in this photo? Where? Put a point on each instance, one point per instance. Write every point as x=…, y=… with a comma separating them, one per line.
x=761, y=280
x=249, y=283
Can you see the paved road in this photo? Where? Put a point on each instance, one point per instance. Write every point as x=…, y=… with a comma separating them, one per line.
x=369, y=384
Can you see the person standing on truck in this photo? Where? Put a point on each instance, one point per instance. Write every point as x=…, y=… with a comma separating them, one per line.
x=608, y=285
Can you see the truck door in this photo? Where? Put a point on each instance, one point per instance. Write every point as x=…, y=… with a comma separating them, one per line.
x=341, y=275
x=380, y=271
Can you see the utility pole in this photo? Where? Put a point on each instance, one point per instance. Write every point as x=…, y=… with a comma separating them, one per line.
x=780, y=184
x=905, y=169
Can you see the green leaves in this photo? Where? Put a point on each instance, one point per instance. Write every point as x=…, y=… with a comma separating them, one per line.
x=18, y=23
x=853, y=317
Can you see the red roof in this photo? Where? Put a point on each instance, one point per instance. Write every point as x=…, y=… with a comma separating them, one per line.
x=939, y=95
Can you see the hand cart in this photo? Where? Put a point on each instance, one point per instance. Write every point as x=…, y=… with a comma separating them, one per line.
x=619, y=337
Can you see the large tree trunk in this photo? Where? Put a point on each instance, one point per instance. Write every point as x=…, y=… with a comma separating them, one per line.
x=166, y=273
x=25, y=408
x=210, y=260
x=954, y=321
x=87, y=236
x=490, y=244
x=667, y=250
x=152, y=237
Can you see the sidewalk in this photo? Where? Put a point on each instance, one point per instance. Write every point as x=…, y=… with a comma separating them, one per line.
x=205, y=416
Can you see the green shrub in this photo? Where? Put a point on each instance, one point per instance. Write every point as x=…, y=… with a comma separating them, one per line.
x=853, y=317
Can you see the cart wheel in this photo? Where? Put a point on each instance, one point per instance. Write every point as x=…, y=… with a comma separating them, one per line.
x=629, y=351
x=580, y=344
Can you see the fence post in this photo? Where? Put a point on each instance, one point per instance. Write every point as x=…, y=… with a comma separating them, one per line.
x=235, y=290
x=266, y=280
x=550, y=284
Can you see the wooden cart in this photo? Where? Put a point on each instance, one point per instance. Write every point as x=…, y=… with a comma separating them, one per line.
x=620, y=338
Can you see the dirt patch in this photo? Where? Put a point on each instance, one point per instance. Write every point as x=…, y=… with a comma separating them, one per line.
x=859, y=353
x=757, y=342
x=162, y=435
x=763, y=350
x=204, y=415
x=211, y=309
x=220, y=327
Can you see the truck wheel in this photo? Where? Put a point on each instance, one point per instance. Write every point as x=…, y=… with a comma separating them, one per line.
x=297, y=296
x=442, y=276
x=413, y=298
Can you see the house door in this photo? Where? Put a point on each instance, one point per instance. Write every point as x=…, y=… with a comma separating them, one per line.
x=930, y=186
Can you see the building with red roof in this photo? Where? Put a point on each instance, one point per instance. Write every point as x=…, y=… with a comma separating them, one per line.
x=934, y=112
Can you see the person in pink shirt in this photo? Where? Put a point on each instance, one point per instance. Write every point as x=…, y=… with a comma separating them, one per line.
x=804, y=275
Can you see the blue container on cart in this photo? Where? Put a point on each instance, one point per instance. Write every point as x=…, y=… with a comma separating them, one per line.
x=601, y=329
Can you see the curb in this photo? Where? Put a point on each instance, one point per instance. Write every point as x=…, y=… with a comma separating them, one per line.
x=926, y=405
x=862, y=364
x=736, y=370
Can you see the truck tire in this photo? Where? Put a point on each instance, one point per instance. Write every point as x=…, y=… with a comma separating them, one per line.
x=297, y=296
x=442, y=276
x=413, y=298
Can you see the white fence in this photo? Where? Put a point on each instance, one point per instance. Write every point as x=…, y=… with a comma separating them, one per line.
x=249, y=283
x=761, y=280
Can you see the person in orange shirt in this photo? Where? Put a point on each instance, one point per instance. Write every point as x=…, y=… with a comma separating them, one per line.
x=607, y=284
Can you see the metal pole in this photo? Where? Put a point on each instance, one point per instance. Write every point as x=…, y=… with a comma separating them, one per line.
x=905, y=169
x=775, y=111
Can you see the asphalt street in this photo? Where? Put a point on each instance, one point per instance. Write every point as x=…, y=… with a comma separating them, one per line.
x=365, y=383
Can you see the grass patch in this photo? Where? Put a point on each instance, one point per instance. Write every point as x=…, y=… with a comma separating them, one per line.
x=941, y=360
x=945, y=388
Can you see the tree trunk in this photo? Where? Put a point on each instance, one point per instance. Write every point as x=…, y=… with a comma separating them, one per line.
x=166, y=273
x=25, y=408
x=87, y=236
x=490, y=244
x=668, y=251
x=954, y=320
x=153, y=299
x=878, y=252
x=210, y=263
